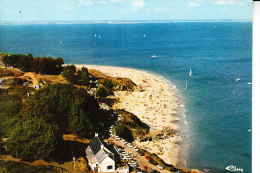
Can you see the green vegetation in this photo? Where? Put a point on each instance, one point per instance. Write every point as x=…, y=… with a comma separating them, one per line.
x=84, y=76
x=72, y=109
x=123, y=131
x=102, y=91
x=33, y=139
x=15, y=167
x=80, y=77
x=10, y=106
x=69, y=73
x=138, y=128
x=42, y=65
x=14, y=81
x=35, y=128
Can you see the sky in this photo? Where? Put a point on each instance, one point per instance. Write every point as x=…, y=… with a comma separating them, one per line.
x=98, y=10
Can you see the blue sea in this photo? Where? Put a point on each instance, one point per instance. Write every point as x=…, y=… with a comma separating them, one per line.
x=218, y=108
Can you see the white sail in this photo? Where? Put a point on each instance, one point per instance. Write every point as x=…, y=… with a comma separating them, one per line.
x=190, y=74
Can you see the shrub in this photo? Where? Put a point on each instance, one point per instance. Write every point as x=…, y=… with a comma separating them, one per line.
x=102, y=91
x=123, y=131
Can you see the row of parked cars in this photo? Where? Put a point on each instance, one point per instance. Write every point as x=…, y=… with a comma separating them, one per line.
x=154, y=162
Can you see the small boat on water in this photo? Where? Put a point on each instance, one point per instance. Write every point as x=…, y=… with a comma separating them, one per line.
x=233, y=168
x=190, y=74
x=238, y=79
x=99, y=36
x=249, y=83
x=95, y=35
x=144, y=35
x=154, y=56
x=186, y=86
x=249, y=130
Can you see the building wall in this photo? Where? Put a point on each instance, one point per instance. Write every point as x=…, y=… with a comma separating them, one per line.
x=93, y=166
x=105, y=163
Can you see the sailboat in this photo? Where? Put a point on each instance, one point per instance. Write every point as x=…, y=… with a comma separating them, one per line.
x=190, y=74
x=95, y=35
x=186, y=86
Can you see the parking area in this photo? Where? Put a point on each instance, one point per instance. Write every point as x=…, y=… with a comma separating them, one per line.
x=135, y=158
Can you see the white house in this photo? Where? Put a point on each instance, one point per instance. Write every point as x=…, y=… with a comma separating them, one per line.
x=99, y=157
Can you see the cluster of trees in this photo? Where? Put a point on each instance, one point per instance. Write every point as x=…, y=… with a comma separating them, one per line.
x=35, y=128
x=42, y=65
x=80, y=77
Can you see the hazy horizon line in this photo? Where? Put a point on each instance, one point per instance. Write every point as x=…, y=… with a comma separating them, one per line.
x=121, y=21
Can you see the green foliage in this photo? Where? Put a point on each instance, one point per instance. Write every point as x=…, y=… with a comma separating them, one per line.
x=10, y=106
x=69, y=73
x=79, y=122
x=43, y=65
x=7, y=124
x=47, y=65
x=14, y=81
x=84, y=76
x=102, y=91
x=32, y=139
x=16, y=167
x=108, y=84
x=70, y=108
x=123, y=131
x=21, y=91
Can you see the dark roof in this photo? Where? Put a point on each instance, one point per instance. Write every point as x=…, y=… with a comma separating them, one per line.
x=95, y=145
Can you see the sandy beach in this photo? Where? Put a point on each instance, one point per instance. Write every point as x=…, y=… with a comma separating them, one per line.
x=155, y=104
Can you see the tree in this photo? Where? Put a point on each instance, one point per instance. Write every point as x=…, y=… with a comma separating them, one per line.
x=79, y=123
x=69, y=73
x=123, y=131
x=58, y=62
x=102, y=91
x=84, y=76
x=33, y=139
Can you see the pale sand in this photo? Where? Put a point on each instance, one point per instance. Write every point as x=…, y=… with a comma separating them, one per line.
x=156, y=106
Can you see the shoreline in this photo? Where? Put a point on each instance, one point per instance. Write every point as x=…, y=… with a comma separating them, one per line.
x=157, y=105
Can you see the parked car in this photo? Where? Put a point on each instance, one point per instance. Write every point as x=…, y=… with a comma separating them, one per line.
x=136, y=149
x=130, y=145
x=173, y=169
x=124, y=142
x=155, y=171
x=138, y=170
x=140, y=152
x=153, y=162
x=160, y=167
x=148, y=158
